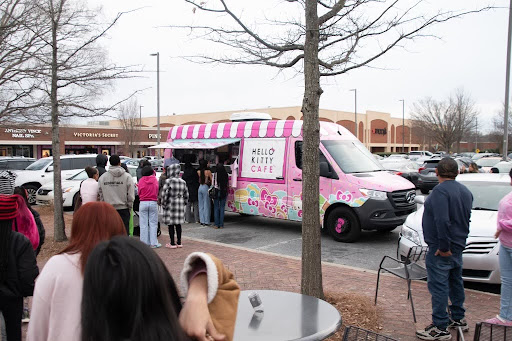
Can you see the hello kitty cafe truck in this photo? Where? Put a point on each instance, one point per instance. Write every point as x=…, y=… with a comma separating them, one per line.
x=356, y=193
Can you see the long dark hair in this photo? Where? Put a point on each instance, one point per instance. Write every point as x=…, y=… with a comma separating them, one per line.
x=128, y=294
x=203, y=165
x=222, y=178
x=23, y=193
x=5, y=246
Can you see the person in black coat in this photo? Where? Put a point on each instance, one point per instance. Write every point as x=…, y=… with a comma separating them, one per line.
x=18, y=268
x=221, y=181
x=192, y=179
x=101, y=163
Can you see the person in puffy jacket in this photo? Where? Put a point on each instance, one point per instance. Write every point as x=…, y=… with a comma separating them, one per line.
x=504, y=233
x=116, y=187
x=18, y=267
x=148, y=208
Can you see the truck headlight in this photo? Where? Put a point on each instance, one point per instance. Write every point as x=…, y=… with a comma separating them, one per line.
x=373, y=194
x=412, y=235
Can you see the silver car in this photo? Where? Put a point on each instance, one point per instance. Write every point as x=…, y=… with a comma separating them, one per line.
x=480, y=256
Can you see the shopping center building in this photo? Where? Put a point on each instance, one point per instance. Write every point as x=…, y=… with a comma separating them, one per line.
x=380, y=132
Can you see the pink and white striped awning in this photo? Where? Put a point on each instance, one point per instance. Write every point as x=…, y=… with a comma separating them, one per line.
x=282, y=128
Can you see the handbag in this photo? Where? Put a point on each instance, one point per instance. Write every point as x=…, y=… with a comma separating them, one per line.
x=213, y=191
x=78, y=202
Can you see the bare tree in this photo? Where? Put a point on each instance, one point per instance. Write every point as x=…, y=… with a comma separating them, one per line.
x=449, y=121
x=19, y=43
x=497, y=132
x=75, y=72
x=327, y=38
x=130, y=121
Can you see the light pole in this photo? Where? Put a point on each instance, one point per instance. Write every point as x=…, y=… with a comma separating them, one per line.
x=403, y=123
x=140, y=115
x=157, y=100
x=507, y=85
x=355, y=110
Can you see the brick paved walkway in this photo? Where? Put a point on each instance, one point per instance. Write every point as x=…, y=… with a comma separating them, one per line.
x=263, y=270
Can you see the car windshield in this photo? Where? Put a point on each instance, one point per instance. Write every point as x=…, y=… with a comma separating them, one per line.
x=352, y=156
x=80, y=176
x=484, y=162
x=39, y=164
x=487, y=195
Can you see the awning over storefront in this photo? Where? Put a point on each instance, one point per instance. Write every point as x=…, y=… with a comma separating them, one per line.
x=195, y=144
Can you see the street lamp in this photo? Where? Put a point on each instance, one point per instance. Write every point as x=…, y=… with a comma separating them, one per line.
x=403, y=124
x=140, y=115
x=157, y=100
x=355, y=109
x=507, y=85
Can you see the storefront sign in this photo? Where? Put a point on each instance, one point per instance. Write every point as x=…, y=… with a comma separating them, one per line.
x=154, y=136
x=96, y=135
x=263, y=158
x=21, y=133
x=380, y=131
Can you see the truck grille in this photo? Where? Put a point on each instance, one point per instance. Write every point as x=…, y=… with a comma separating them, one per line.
x=480, y=248
x=403, y=199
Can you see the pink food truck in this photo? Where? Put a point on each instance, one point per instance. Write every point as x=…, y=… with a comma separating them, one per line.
x=356, y=193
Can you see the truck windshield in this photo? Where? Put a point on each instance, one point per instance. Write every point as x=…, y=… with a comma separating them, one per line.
x=39, y=164
x=352, y=156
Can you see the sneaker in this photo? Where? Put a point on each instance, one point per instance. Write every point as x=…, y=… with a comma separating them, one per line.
x=156, y=246
x=180, y=245
x=432, y=332
x=499, y=320
x=170, y=246
x=459, y=323
x=25, y=317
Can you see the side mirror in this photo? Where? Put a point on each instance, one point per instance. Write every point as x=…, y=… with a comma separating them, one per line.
x=419, y=199
x=324, y=169
x=49, y=169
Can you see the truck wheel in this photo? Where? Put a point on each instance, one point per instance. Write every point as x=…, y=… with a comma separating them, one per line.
x=424, y=191
x=31, y=193
x=343, y=225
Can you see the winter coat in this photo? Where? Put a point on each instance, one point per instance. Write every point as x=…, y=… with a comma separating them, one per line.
x=148, y=188
x=192, y=179
x=101, y=163
x=40, y=229
x=175, y=197
x=505, y=220
x=116, y=188
x=22, y=268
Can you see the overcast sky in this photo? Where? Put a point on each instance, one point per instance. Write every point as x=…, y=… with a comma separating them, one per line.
x=471, y=53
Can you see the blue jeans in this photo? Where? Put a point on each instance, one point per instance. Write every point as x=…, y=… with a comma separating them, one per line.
x=148, y=221
x=506, y=282
x=444, y=279
x=219, y=205
x=204, y=204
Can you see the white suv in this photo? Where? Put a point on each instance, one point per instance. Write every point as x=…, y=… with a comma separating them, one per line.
x=420, y=155
x=41, y=172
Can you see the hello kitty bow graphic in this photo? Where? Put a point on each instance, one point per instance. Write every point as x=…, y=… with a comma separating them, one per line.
x=344, y=196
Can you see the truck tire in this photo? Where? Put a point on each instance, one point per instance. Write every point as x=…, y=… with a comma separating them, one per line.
x=343, y=225
x=31, y=193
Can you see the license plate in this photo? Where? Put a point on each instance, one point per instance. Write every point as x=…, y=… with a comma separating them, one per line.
x=431, y=174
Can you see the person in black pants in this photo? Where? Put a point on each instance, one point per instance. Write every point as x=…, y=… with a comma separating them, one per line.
x=18, y=268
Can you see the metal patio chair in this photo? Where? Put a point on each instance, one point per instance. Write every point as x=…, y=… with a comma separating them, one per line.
x=353, y=333
x=489, y=332
x=409, y=269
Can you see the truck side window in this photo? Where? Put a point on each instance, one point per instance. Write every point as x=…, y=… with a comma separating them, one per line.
x=298, y=155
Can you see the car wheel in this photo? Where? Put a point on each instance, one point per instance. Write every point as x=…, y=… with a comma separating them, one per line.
x=31, y=193
x=424, y=191
x=343, y=225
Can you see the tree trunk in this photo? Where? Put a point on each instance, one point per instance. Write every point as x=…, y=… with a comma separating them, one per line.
x=311, y=283
x=58, y=214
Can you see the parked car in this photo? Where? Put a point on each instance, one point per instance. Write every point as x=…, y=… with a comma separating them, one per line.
x=486, y=163
x=40, y=172
x=480, y=256
x=15, y=162
x=157, y=164
x=502, y=167
x=420, y=155
x=427, y=178
x=70, y=188
x=131, y=162
x=478, y=156
x=406, y=169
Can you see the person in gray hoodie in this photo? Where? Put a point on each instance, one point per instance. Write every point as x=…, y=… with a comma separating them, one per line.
x=116, y=188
